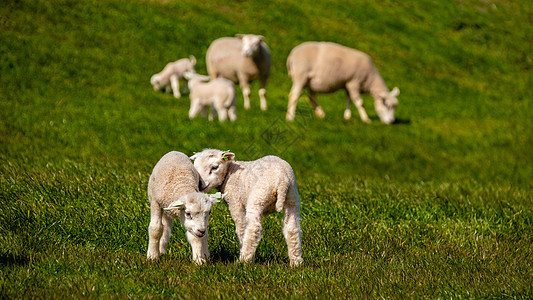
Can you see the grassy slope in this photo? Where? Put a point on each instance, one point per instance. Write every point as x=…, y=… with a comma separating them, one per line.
x=437, y=205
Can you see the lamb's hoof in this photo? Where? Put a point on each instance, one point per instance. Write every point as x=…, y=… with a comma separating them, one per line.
x=347, y=114
x=319, y=113
x=296, y=262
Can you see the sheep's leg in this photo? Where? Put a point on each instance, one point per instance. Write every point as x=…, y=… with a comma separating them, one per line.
x=262, y=93
x=318, y=110
x=245, y=87
x=200, y=252
x=348, y=111
x=252, y=234
x=292, y=231
x=294, y=94
x=174, y=81
x=167, y=222
x=353, y=92
x=155, y=231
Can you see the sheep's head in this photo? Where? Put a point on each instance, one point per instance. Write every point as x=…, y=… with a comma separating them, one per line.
x=386, y=104
x=250, y=44
x=193, y=210
x=212, y=165
x=156, y=82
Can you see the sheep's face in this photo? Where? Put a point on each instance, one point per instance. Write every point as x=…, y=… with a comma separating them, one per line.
x=156, y=83
x=193, y=211
x=250, y=44
x=212, y=165
x=386, y=106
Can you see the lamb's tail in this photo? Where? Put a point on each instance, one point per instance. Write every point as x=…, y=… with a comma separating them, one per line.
x=289, y=63
x=281, y=196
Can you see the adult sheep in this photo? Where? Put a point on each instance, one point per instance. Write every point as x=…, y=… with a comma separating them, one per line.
x=171, y=74
x=325, y=67
x=241, y=59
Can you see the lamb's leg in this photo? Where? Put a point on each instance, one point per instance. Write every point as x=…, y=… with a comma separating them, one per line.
x=318, y=110
x=195, y=108
x=238, y=214
x=232, y=113
x=353, y=92
x=292, y=231
x=155, y=230
x=167, y=222
x=262, y=93
x=174, y=81
x=252, y=234
x=296, y=90
x=245, y=87
x=222, y=112
x=200, y=252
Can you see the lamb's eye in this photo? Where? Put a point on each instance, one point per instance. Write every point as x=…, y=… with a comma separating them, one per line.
x=188, y=215
x=214, y=167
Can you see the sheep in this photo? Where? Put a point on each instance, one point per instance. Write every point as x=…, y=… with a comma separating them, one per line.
x=173, y=193
x=254, y=189
x=241, y=59
x=325, y=67
x=218, y=93
x=171, y=73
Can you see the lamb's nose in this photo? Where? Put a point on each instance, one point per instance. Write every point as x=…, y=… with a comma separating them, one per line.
x=201, y=232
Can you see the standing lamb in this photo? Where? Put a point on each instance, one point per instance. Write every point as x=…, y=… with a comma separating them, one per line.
x=241, y=59
x=173, y=193
x=325, y=67
x=218, y=93
x=171, y=74
x=252, y=190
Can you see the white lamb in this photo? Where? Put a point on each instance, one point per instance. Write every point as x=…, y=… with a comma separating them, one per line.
x=252, y=190
x=241, y=59
x=218, y=93
x=171, y=74
x=173, y=193
x=325, y=67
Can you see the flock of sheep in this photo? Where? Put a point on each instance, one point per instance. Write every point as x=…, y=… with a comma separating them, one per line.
x=319, y=67
x=177, y=186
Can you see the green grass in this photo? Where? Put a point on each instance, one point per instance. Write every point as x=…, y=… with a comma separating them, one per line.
x=436, y=206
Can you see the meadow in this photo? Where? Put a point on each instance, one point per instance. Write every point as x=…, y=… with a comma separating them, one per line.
x=437, y=205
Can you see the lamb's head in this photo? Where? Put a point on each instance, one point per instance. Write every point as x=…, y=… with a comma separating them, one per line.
x=193, y=211
x=212, y=165
x=190, y=64
x=386, y=104
x=251, y=44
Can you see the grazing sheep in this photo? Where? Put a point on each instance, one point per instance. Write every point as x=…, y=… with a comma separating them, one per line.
x=252, y=190
x=171, y=74
x=325, y=67
x=173, y=193
x=218, y=93
x=241, y=59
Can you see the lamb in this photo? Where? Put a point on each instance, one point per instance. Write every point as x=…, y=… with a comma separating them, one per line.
x=325, y=67
x=173, y=193
x=241, y=59
x=218, y=93
x=171, y=74
x=252, y=190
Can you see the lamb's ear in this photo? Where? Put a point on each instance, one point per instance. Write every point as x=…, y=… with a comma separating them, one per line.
x=395, y=92
x=261, y=38
x=239, y=36
x=178, y=204
x=192, y=59
x=194, y=156
x=228, y=156
x=188, y=75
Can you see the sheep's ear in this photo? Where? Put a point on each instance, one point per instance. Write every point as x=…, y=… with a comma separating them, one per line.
x=192, y=59
x=216, y=197
x=228, y=156
x=395, y=92
x=178, y=204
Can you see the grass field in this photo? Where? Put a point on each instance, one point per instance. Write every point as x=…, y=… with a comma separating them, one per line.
x=438, y=205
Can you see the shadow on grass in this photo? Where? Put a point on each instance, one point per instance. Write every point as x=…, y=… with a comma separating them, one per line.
x=13, y=260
